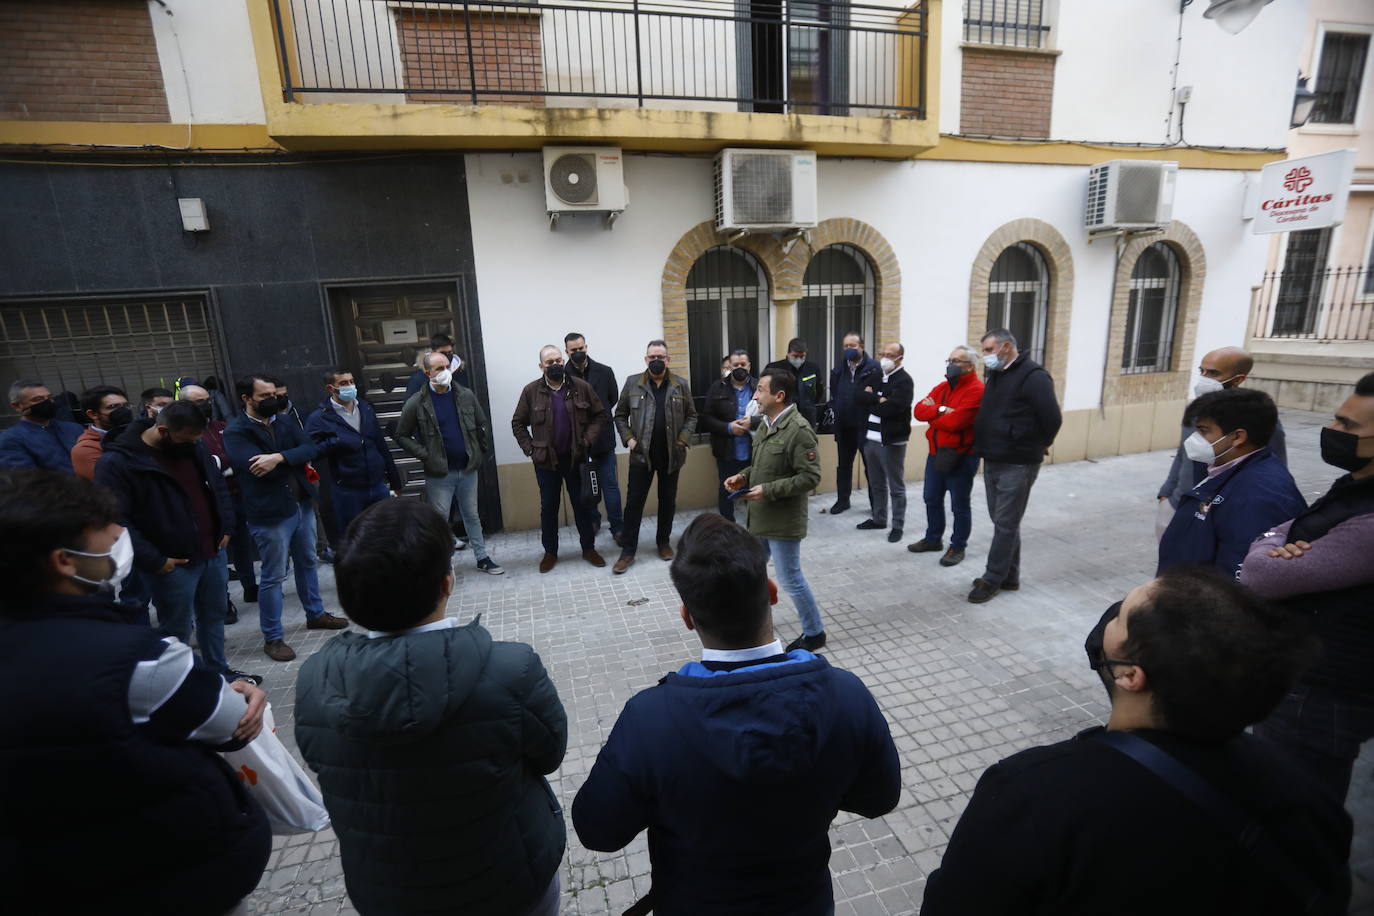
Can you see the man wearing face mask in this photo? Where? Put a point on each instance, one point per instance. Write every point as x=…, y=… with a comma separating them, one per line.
x=443, y=345
x=177, y=509
x=1172, y=800
x=356, y=456
x=105, y=407
x=855, y=372
x=1320, y=566
x=39, y=439
x=728, y=416
x=557, y=422
x=889, y=429
x=1221, y=369
x=1015, y=427
x=1246, y=491
x=602, y=379
x=655, y=417
x=950, y=410
x=269, y=454
x=152, y=400
x=810, y=383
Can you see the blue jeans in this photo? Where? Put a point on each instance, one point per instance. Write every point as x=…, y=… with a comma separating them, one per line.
x=195, y=593
x=958, y=483
x=786, y=557
x=294, y=536
x=610, y=492
x=349, y=502
x=441, y=491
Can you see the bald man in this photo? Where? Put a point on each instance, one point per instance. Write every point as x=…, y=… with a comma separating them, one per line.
x=1227, y=367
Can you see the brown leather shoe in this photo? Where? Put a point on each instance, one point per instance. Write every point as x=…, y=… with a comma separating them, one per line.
x=665, y=552
x=326, y=621
x=278, y=651
x=622, y=564
x=594, y=558
x=549, y=562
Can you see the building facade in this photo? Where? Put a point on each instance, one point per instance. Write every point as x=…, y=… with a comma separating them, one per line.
x=374, y=172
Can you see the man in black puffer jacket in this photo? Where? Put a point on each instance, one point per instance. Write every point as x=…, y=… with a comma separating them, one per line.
x=430, y=739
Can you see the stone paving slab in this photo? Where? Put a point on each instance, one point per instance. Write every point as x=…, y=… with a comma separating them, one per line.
x=962, y=685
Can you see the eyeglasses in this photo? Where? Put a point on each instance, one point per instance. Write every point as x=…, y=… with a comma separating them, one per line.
x=1105, y=662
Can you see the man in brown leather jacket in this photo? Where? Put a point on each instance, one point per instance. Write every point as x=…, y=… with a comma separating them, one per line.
x=655, y=418
x=557, y=420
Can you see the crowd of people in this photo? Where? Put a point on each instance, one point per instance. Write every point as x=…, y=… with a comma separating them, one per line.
x=1240, y=678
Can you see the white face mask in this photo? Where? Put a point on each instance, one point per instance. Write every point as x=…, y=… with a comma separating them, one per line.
x=121, y=553
x=796, y=361
x=1205, y=385
x=441, y=379
x=888, y=365
x=1197, y=448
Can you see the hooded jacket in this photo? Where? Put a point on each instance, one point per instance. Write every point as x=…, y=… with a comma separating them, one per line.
x=737, y=775
x=431, y=750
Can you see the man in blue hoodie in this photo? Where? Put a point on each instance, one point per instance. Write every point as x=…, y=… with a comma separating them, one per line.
x=737, y=764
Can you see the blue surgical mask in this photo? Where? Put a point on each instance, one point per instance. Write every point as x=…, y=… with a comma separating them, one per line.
x=851, y=354
x=992, y=361
x=348, y=393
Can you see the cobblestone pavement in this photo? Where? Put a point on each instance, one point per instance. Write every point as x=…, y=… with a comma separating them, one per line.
x=962, y=685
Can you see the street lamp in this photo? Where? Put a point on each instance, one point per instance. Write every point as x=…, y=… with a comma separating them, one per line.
x=1231, y=15
x=1304, y=100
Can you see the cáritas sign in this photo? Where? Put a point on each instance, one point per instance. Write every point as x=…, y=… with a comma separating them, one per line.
x=1307, y=193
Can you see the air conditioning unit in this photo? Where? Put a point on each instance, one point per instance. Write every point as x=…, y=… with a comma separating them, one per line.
x=1128, y=194
x=764, y=190
x=583, y=179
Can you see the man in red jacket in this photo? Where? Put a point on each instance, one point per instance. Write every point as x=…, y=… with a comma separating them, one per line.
x=950, y=409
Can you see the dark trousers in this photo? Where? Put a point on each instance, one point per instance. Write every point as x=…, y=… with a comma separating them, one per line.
x=848, y=442
x=241, y=547
x=1008, y=490
x=958, y=483
x=1321, y=732
x=551, y=484
x=640, y=478
x=727, y=467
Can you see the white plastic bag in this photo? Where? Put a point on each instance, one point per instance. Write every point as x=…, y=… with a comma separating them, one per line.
x=278, y=782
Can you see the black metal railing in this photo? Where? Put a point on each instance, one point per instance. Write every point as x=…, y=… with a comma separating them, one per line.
x=1014, y=23
x=1332, y=304
x=746, y=55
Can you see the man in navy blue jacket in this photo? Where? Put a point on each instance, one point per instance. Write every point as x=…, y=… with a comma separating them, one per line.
x=39, y=439
x=856, y=371
x=737, y=764
x=1247, y=489
x=357, y=457
x=269, y=455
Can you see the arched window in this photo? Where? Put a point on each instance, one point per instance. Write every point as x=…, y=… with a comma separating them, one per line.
x=1151, y=311
x=727, y=309
x=1019, y=297
x=837, y=297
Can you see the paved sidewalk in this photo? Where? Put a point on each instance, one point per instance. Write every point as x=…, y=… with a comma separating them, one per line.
x=962, y=685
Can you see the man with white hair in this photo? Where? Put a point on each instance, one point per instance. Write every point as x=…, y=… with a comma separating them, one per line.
x=949, y=410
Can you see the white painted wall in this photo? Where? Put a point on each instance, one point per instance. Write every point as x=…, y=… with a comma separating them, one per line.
x=209, y=67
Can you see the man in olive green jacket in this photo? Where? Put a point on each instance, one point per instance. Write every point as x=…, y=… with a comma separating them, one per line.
x=785, y=469
x=655, y=417
x=443, y=426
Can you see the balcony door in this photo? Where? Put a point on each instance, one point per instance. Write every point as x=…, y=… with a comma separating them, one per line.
x=793, y=56
x=1300, y=289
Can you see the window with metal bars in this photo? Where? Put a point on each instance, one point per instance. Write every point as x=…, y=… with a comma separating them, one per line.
x=1019, y=297
x=727, y=309
x=1339, y=75
x=1152, y=311
x=1013, y=23
x=838, y=293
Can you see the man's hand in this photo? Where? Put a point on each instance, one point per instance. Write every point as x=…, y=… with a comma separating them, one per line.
x=223, y=542
x=262, y=465
x=251, y=723
x=929, y=402
x=740, y=427
x=1162, y=498
x=631, y=444
x=1291, y=551
x=734, y=483
x=755, y=493
x=869, y=389
x=171, y=564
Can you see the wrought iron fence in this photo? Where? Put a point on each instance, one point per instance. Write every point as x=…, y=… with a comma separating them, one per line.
x=729, y=55
x=1015, y=23
x=1332, y=304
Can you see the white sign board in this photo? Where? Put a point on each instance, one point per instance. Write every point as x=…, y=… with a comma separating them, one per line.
x=1306, y=193
x=400, y=330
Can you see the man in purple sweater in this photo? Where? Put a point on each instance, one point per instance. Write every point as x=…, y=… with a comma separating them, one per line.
x=1319, y=565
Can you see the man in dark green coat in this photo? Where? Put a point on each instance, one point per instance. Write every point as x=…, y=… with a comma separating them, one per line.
x=431, y=740
x=785, y=469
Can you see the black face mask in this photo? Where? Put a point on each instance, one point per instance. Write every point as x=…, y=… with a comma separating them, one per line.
x=43, y=410
x=1093, y=646
x=555, y=372
x=120, y=416
x=1339, y=449
x=739, y=373
x=580, y=357
x=205, y=409
x=953, y=372
x=269, y=406
x=178, y=449
x=283, y=404
x=657, y=367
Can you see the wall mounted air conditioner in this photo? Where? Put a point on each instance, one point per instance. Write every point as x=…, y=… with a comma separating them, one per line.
x=764, y=190
x=1130, y=194
x=581, y=179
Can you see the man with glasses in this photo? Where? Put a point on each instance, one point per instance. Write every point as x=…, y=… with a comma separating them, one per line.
x=950, y=409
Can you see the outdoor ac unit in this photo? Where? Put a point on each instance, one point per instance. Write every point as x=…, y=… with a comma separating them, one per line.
x=583, y=178
x=1130, y=194
x=765, y=190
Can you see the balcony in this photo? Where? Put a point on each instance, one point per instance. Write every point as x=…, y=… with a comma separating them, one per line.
x=839, y=78
x=1331, y=305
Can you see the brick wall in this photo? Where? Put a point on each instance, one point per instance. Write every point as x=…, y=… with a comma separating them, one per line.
x=1006, y=92
x=505, y=56
x=79, y=60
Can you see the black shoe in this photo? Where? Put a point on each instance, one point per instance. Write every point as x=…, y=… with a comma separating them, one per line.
x=871, y=525
x=924, y=546
x=232, y=615
x=1011, y=586
x=809, y=643
x=233, y=574
x=250, y=594
x=231, y=675
x=953, y=557
x=327, y=556
x=983, y=590
x=894, y=535
x=839, y=507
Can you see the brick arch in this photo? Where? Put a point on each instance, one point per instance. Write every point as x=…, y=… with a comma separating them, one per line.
x=887, y=273
x=1059, y=261
x=1172, y=384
